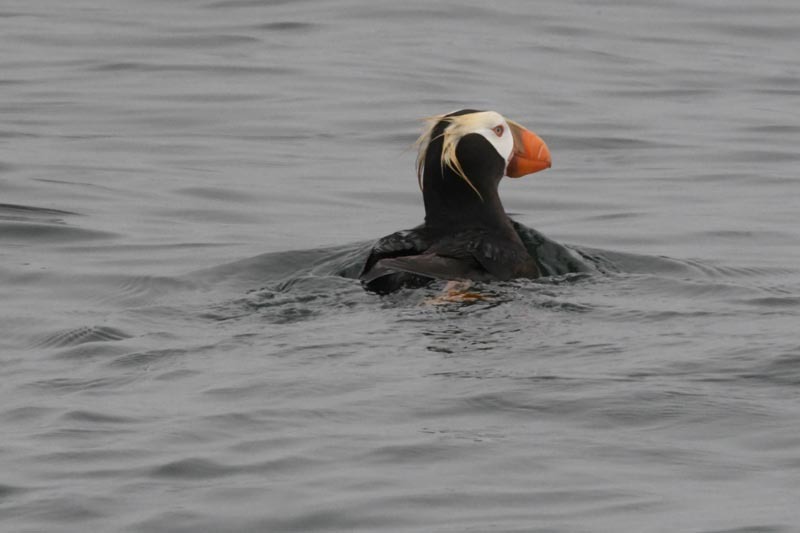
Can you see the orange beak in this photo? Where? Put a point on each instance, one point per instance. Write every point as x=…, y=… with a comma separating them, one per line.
x=530, y=153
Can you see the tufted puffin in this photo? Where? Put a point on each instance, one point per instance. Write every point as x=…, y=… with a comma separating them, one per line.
x=467, y=234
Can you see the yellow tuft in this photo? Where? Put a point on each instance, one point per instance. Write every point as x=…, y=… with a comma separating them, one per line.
x=458, y=127
x=422, y=144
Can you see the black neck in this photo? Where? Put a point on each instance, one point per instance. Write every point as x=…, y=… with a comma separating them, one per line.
x=457, y=205
x=450, y=202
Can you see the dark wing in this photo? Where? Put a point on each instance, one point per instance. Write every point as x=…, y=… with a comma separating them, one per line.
x=504, y=259
x=553, y=259
x=399, y=243
x=376, y=277
x=430, y=266
x=492, y=255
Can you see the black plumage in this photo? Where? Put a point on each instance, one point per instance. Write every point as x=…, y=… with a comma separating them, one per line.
x=467, y=234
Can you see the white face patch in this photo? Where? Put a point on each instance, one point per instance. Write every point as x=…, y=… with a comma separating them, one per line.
x=494, y=128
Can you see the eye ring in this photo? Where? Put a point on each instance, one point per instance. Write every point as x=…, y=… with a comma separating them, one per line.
x=499, y=130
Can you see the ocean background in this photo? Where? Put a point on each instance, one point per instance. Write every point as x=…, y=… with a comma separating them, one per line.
x=183, y=184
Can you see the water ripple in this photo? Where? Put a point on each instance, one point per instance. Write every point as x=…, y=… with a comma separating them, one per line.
x=49, y=233
x=184, y=342
x=81, y=335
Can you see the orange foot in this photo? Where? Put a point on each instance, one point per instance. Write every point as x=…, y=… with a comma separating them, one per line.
x=456, y=292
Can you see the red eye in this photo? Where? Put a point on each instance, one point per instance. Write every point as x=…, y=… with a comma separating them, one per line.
x=499, y=130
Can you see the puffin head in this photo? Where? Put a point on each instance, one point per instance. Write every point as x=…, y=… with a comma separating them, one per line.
x=463, y=156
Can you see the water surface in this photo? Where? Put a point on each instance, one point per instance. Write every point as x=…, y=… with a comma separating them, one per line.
x=183, y=183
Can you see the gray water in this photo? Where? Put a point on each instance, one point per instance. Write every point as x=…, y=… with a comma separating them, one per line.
x=182, y=184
